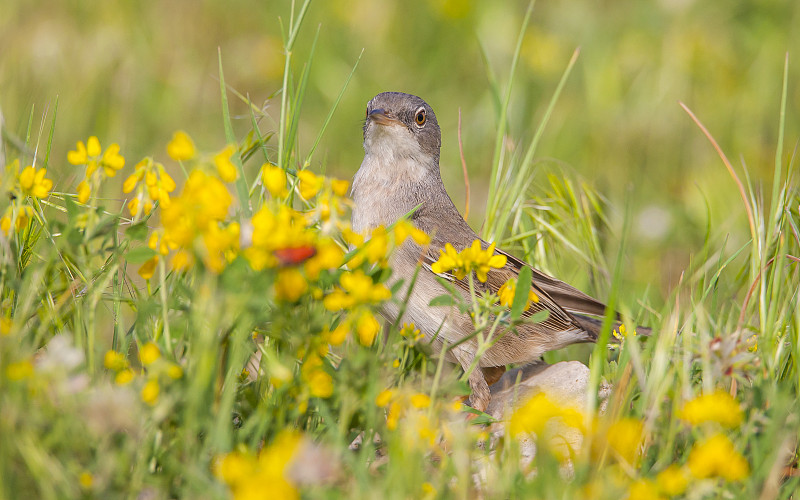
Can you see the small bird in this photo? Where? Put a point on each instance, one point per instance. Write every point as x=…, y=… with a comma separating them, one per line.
x=400, y=171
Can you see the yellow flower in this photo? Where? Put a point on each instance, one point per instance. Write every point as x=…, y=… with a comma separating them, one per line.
x=124, y=377
x=339, y=187
x=367, y=327
x=84, y=190
x=310, y=184
x=115, y=361
x=156, y=186
x=225, y=167
x=356, y=288
x=328, y=256
x=320, y=383
x=384, y=398
x=33, y=182
x=672, y=480
x=203, y=203
x=5, y=326
x=404, y=229
x=274, y=179
x=182, y=261
x=234, y=467
x=625, y=438
x=509, y=289
x=247, y=476
x=623, y=333
x=181, y=147
x=411, y=332
x=534, y=415
x=148, y=269
x=23, y=216
x=174, y=371
x=420, y=400
x=86, y=480
x=149, y=353
x=290, y=285
x=338, y=334
x=643, y=489
x=19, y=370
x=150, y=392
x=719, y=407
x=93, y=157
x=716, y=457
x=472, y=258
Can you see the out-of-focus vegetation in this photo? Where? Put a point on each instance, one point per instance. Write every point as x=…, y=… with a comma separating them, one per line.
x=134, y=72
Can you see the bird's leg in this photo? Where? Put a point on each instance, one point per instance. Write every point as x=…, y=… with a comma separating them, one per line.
x=477, y=383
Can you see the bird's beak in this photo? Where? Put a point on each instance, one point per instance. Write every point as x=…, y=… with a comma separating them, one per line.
x=380, y=117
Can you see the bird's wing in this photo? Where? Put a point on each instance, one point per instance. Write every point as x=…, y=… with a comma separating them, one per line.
x=557, y=320
x=568, y=297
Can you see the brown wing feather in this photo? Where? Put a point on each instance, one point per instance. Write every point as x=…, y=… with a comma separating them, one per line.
x=568, y=297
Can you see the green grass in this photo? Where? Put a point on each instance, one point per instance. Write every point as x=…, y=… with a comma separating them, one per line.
x=595, y=174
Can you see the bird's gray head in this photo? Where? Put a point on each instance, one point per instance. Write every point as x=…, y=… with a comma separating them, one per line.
x=402, y=126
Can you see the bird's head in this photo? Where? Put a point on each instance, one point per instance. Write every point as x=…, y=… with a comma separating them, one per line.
x=402, y=126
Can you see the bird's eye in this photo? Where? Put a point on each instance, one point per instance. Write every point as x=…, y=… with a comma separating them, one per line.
x=420, y=117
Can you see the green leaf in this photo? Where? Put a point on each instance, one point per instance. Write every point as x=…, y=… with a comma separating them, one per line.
x=137, y=232
x=521, y=293
x=140, y=255
x=442, y=300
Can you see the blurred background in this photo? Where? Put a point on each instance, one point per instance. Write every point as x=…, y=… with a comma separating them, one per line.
x=134, y=72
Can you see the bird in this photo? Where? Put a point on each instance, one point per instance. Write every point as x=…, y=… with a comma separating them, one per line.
x=400, y=173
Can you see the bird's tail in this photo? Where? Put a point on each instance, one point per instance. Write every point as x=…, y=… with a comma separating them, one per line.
x=593, y=325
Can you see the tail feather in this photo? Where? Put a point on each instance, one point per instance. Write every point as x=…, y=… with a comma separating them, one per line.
x=594, y=325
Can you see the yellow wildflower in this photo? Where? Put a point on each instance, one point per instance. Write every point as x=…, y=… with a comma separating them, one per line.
x=181, y=147
x=114, y=360
x=643, y=489
x=86, y=480
x=719, y=407
x=19, y=370
x=404, y=229
x=328, y=256
x=672, y=480
x=174, y=371
x=623, y=333
x=246, y=475
x=509, y=289
x=290, y=285
x=5, y=326
x=625, y=438
x=384, y=398
x=340, y=187
x=225, y=167
x=367, y=327
x=356, y=288
x=150, y=392
x=148, y=269
x=420, y=400
x=94, y=158
x=534, y=415
x=23, y=216
x=274, y=179
x=716, y=457
x=320, y=383
x=124, y=377
x=84, y=190
x=472, y=258
x=149, y=353
x=33, y=182
x=309, y=184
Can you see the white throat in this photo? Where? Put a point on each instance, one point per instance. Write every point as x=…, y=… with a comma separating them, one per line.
x=394, y=164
